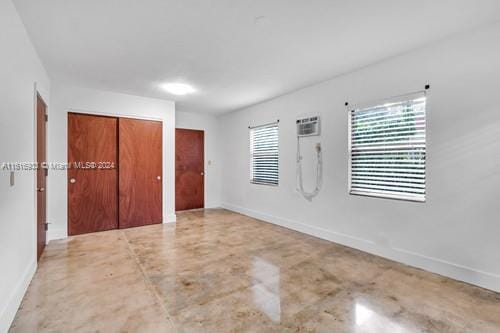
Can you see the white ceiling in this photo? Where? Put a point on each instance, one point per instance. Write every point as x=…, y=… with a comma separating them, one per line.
x=235, y=52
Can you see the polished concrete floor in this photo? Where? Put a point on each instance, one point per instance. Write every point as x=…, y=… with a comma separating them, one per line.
x=217, y=271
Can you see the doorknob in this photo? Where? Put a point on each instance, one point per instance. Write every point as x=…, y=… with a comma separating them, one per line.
x=158, y=177
x=72, y=180
x=202, y=173
x=41, y=189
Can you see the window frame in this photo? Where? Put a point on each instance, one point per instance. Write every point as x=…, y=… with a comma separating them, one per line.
x=251, y=154
x=372, y=105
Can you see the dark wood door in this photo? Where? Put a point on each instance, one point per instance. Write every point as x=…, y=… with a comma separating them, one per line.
x=92, y=188
x=189, y=169
x=41, y=174
x=140, y=188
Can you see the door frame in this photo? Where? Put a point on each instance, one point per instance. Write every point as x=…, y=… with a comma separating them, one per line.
x=68, y=220
x=204, y=165
x=162, y=191
x=117, y=116
x=114, y=115
x=38, y=95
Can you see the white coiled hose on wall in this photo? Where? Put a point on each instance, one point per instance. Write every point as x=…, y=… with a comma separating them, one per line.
x=319, y=172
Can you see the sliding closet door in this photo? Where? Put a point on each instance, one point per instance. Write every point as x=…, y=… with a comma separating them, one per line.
x=92, y=189
x=140, y=172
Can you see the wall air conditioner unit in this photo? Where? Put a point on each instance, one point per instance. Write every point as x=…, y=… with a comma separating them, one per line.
x=308, y=126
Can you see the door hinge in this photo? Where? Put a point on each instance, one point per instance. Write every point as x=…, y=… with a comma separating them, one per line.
x=46, y=172
x=46, y=226
x=46, y=117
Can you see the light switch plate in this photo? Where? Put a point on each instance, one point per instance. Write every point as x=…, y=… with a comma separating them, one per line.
x=12, y=178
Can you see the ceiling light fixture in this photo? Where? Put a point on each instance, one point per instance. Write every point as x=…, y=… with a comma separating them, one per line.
x=178, y=88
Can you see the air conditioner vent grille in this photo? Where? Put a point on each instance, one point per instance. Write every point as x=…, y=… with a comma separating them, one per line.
x=308, y=126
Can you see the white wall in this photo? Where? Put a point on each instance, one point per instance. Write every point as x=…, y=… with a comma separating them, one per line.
x=20, y=70
x=456, y=232
x=207, y=123
x=66, y=98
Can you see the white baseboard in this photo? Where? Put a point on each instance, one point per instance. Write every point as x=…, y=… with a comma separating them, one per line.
x=56, y=233
x=171, y=218
x=9, y=310
x=458, y=272
x=211, y=205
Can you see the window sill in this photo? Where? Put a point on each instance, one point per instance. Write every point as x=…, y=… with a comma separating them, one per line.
x=263, y=183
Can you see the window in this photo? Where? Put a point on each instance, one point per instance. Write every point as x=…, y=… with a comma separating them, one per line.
x=387, y=149
x=264, y=154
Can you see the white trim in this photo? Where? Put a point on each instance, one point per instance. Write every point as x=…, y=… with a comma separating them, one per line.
x=387, y=100
x=35, y=158
x=114, y=115
x=371, y=147
x=35, y=176
x=170, y=218
x=206, y=193
x=455, y=271
x=8, y=313
x=382, y=195
x=53, y=233
x=252, y=154
x=349, y=150
x=271, y=124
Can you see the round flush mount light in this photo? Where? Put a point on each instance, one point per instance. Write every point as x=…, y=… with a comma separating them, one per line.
x=178, y=88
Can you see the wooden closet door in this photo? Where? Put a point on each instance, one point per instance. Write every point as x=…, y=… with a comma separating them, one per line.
x=92, y=192
x=189, y=169
x=140, y=172
x=41, y=175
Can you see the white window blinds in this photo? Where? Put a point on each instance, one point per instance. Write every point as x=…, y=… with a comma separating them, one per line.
x=264, y=154
x=387, y=149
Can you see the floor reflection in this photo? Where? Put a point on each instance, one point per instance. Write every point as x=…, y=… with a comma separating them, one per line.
x=266, y=293
x=217, y=271
x=368, y=320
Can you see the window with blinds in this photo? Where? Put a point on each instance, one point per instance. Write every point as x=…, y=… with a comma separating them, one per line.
x=264, y=154
x=387, y=149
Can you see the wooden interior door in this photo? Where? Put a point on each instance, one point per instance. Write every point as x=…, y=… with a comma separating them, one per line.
x=92, y=189
x=41, y=174
x=140, y=159
x=189, y=169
